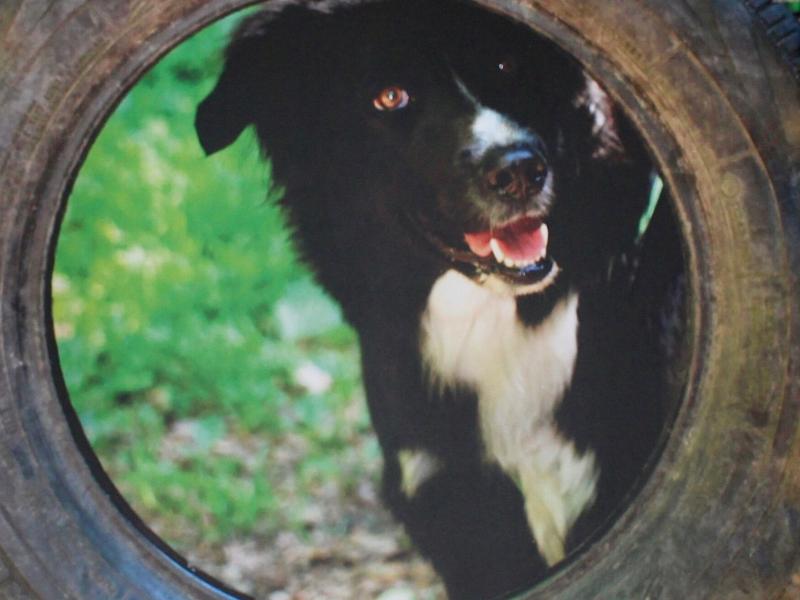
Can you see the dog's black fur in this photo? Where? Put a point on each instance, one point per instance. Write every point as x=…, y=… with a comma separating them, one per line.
x=379, y=201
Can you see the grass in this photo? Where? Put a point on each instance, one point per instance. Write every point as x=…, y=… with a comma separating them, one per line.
x=192, y=342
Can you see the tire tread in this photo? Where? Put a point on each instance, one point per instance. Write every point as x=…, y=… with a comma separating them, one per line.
x=782, y=27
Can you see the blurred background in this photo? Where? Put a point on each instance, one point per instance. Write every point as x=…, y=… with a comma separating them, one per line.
x=216, y=382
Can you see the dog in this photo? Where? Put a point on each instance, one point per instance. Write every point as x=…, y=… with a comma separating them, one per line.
x=471, y=197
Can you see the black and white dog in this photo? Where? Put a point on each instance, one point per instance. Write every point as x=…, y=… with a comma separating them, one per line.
x=467, y=193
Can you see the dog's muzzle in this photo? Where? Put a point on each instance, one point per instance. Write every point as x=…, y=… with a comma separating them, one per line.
x=509, y=250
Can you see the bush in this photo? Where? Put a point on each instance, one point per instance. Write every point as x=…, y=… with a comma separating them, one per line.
x=190, y=339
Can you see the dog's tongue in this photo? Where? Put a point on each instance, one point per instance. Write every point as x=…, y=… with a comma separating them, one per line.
x=523, y=240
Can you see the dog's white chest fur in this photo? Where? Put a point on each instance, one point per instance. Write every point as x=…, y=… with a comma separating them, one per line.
x=471, y=336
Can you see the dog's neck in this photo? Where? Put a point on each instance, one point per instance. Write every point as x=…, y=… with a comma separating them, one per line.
x=473, y=337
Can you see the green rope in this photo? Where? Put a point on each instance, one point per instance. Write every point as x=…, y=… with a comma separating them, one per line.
x=655, y=193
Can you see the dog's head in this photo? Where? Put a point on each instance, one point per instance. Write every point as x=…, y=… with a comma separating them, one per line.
x=411, y=132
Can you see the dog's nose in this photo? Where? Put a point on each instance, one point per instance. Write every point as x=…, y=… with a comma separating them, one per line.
x=519, y=173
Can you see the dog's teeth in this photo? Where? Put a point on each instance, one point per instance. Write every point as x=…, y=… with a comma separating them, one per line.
x=502, y=259
x=545, y=233
x=499, y=256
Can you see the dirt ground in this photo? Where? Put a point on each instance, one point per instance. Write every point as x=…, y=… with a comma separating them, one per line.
x=342, y=544
x=371, y=559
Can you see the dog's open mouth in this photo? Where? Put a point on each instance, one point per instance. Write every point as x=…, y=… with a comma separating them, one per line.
x=515, y=252
x=520, y=244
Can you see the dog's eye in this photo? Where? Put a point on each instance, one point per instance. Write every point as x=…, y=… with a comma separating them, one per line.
x=507, y=66
x=391, y=98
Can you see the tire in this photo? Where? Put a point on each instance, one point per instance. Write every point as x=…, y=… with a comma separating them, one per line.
x=711, y=85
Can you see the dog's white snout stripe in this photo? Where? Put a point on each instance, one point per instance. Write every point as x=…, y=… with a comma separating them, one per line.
x=490, y=129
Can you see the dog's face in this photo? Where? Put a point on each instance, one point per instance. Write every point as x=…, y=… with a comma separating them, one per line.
x=433, y=132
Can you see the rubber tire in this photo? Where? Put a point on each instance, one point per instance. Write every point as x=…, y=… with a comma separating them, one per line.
x=711, y=85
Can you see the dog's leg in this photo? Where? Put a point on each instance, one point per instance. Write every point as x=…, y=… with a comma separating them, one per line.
x=556, y=495
x=545, y=512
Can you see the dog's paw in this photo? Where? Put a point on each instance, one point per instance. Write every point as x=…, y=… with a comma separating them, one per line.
x=547, y=516
x=557, y=490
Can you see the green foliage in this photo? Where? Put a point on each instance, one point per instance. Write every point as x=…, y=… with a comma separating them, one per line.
x=191, y=341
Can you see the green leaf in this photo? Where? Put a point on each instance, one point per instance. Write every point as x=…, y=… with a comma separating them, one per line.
x=305, y=311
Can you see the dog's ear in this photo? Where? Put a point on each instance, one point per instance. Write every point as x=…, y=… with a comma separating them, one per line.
x=616, y=139
x=258, y=66
x=605, y=120
x=228, y=109
x=224, y=114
